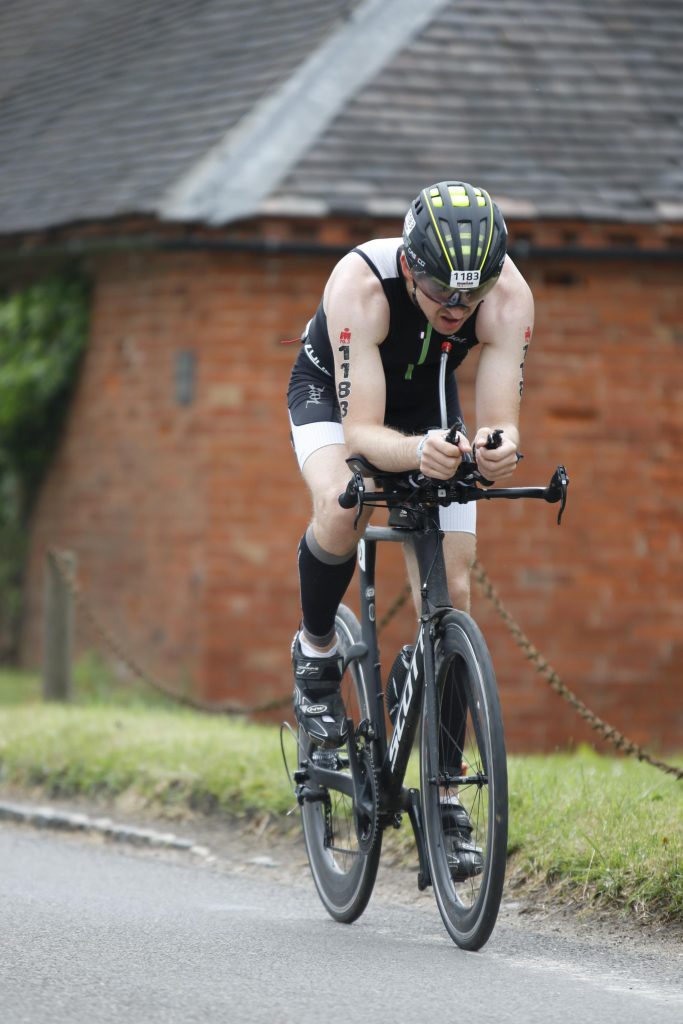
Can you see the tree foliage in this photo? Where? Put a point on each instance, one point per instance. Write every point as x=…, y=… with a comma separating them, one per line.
x=43, y=331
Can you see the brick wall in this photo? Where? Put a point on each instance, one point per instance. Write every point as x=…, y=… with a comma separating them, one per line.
x=185, y=517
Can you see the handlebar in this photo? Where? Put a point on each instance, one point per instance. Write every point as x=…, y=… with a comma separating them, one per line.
x=414, y=490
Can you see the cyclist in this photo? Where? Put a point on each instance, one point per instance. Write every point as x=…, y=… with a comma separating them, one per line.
x=366, y=381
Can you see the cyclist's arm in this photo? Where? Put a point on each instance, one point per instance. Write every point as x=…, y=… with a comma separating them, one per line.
x=358, y=321
x=504, y=327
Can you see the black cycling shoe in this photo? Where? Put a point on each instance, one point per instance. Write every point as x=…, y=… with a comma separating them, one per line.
x=318, y=704
x=465, y=859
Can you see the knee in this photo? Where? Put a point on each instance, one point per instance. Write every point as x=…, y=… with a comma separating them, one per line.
x=459, y=589
x=334, y=525
x=460, y=555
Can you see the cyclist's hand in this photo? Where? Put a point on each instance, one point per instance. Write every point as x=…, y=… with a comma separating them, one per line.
x=440, y=458
x=496, y=463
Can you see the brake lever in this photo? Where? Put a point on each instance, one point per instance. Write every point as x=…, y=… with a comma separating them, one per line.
x=353, y=495
x=360, y=491
x=557, y=490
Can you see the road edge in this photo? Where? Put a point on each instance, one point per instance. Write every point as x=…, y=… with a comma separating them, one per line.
x=68, y=821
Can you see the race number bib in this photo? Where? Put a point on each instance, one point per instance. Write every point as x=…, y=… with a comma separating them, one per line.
x=465, y=279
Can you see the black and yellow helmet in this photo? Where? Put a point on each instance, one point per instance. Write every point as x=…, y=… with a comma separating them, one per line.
x=455, y=234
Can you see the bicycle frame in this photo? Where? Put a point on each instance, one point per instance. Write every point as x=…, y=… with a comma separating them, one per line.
x=392, y=754
x=425, y=537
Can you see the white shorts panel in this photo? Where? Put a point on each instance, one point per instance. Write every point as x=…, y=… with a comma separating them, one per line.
x=459, y=518
x=309, y=437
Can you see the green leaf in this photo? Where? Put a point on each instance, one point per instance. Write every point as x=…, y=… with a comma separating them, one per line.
x=43, y=332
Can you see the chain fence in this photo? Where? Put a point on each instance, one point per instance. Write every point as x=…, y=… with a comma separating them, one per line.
x=608, y=732
x=123, y=656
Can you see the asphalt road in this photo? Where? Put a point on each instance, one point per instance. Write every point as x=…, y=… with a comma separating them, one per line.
x=94, y=933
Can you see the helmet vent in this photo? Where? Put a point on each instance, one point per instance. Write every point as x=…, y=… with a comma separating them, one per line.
x=457, y=227
x=483, y=228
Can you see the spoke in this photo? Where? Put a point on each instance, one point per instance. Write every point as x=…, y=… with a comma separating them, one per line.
x=460, y=774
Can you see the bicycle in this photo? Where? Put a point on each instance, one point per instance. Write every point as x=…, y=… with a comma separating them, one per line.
x=349, y=796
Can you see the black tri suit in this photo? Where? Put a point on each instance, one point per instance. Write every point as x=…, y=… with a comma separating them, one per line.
x=410, y=356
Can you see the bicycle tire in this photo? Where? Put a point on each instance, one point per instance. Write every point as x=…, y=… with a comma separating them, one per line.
x=344, y=876
x=470, y=729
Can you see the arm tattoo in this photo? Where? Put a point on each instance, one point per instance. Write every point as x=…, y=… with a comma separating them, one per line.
x=527, y=340
x=344, y=385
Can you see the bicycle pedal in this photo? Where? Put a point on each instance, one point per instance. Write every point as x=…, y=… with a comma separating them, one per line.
x=304, y=794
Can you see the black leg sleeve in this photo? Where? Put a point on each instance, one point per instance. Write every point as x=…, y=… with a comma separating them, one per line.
x=324, y=579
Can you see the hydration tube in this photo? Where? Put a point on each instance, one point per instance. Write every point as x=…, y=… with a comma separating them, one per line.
x=446, y=347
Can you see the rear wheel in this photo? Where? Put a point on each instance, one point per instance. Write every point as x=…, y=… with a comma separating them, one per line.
x=468, y=765
x=343, y=847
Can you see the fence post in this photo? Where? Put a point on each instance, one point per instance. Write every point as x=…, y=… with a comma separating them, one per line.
x=58, y=626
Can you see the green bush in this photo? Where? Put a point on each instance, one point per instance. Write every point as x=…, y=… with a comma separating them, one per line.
x=586, y=830
x=43, y=331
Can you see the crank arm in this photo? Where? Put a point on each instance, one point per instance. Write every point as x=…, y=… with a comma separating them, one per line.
x=410, y=801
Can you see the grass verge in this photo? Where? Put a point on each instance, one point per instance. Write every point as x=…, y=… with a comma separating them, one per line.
x=592, y=830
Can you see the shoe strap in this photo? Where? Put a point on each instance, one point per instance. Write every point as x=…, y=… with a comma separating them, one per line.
x=319, y=687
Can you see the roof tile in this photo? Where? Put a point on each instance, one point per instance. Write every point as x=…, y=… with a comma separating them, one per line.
x=566, y=108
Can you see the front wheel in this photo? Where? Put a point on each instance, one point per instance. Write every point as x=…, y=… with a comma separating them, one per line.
x=463, y=761
x=343, y=850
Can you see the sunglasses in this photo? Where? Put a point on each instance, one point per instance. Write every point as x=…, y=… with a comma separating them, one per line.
x=451, y=298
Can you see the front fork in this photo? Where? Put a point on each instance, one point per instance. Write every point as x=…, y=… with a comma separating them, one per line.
x=413, y=806
x=411, y=798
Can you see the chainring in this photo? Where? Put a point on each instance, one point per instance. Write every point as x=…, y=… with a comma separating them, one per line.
x=366, y=809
